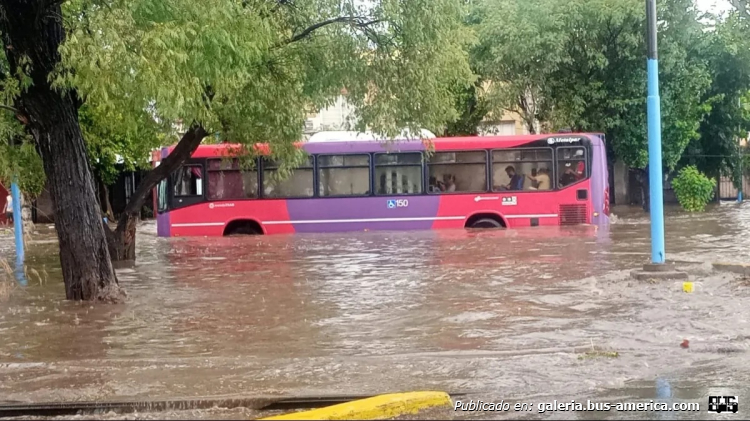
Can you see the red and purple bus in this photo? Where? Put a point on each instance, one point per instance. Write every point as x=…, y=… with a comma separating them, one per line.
x=463, y=182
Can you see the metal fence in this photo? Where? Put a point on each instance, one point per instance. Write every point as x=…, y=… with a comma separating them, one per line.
x=725, y=188
x=728, y=191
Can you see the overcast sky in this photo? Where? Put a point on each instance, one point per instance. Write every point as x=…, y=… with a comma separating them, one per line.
x=714, y=6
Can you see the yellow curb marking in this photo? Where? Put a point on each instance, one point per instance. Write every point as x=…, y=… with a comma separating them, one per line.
x=377, y=407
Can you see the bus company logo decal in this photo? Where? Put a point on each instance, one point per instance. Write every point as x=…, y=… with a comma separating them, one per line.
x=555, y=140
x=510, y=201
x=397, y=203
x=220, y=205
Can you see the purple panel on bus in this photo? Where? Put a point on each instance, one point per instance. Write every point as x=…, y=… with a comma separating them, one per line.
x=363, y=147
x=162, y=219
x=363, y=213
x=599, y=178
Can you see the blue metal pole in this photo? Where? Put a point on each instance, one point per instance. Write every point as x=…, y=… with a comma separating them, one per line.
x=655, y=174
x=18, y=231
x=742, y=180
x=17, y=221
x=742, y=156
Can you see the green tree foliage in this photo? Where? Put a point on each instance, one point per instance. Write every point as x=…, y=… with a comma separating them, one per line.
x=21, y=163
x=581, y=64
x=114, y=146
x=109, y=141
x=520, y=44
x=727, y=51
x=693, y=189
x=609, y=73
x=251, y=70
x=18, y=159
x=742, y=7
x=473, y=107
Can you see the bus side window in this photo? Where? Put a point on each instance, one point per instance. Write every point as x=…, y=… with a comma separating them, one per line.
x=188, y=181
x=398, y=173
x=528, y=169
x=571, y=165
x=161, y=196
x=228, y=181
x=298, y=184
x=457, y=172
x=343, y=175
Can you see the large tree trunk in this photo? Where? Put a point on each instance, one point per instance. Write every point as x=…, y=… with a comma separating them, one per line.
x=121, y=241
x=33, y=29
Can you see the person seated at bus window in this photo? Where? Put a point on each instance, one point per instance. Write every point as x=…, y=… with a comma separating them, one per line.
x=580, y=170
x=533, y=178
x=449, y=183
x=516, y=180
x=541, y=179
x=569, y=176
x=433, y=186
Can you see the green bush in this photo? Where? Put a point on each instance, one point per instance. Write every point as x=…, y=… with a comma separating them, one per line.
x=693, y=189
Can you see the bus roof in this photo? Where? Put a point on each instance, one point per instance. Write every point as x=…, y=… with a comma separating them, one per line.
x=359, y=146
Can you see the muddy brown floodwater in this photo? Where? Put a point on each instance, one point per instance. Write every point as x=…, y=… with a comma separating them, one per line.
x=505, y=315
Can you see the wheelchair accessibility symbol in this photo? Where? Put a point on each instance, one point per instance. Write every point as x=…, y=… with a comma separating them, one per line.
x=398, y=203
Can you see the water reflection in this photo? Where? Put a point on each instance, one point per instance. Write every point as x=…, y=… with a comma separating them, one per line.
x=504, y=314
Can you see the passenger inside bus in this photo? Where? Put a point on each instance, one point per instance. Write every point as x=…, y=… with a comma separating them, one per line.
x=433, y=186
x=569, y=176
x=516, y=180
x=449, y=183
x=540, y=179
x=532, y=178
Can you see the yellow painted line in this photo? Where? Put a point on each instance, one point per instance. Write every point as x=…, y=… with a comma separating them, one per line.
x=377, y=407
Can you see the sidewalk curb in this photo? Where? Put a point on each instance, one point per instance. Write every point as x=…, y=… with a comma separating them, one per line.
x=377, y=407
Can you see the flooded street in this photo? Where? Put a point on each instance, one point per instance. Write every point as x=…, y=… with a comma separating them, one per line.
x=505, y=315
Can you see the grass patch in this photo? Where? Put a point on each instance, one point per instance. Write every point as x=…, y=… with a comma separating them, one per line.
x=7, y=284
x=596, y=352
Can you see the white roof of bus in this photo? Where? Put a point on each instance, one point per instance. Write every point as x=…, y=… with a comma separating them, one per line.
x=343, y=136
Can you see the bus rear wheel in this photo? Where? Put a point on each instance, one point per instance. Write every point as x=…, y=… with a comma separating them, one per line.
x=486, y=223
x=243, y=228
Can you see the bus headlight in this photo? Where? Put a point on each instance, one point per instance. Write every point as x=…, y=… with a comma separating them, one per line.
x=596, y=214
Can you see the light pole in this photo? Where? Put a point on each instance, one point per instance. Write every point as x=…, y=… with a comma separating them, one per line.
x=18, y=228
x=655, y=173
x=742, y=175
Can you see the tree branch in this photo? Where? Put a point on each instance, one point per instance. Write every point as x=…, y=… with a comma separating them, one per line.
x=356, y=21
x=184, y=149
x=742, y=6
x=20, y=115
x=9, y=108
